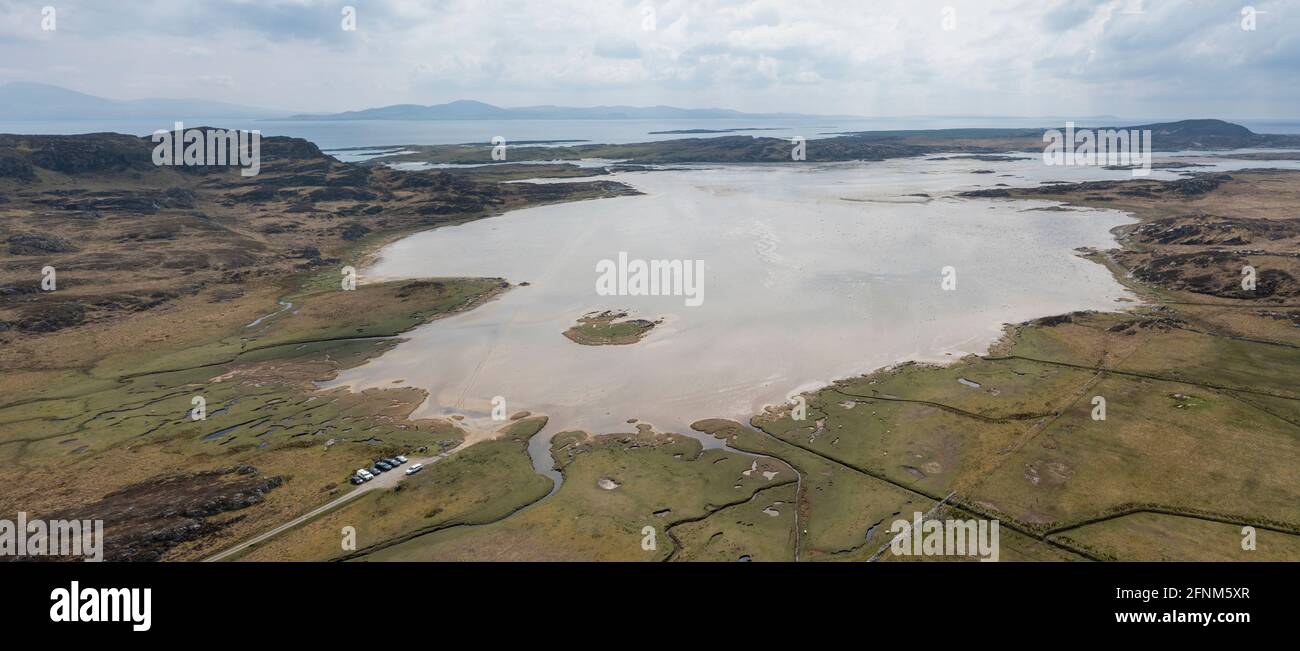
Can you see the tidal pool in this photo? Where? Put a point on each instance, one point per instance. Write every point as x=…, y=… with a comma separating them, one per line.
x=812, y=273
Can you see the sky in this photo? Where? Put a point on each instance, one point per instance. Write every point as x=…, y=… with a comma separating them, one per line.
x=1152, y=58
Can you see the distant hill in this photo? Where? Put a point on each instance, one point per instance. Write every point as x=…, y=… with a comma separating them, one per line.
x=21, y=100
x=863, y=146
x=472, y=110
x=1165, y=136
x=1211, y=134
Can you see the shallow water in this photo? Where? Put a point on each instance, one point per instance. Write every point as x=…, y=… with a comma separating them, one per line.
x=812, y=273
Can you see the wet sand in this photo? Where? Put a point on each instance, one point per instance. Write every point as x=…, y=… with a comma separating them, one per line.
x=802, y=287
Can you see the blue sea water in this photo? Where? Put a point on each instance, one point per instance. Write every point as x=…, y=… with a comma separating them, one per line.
x=365, y=133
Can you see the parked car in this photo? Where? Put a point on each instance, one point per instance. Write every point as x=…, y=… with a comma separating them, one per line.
x=383, y=465
x=365, y=475
x=356, y=479
x=414, y=468
x=376, y=470
x=400, y=459
x=393, y=462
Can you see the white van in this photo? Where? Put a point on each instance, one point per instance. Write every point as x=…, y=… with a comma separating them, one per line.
x=414, y=468
x=365, y=474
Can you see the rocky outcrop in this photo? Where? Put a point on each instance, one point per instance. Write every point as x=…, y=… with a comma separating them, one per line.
x=143, y=521
x=38, y=244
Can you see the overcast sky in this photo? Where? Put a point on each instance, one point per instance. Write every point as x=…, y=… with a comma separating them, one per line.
x=1157, y=58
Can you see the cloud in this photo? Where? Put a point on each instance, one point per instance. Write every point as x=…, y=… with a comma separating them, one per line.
x=1171, y=58
x=618, y=49
x=1063, y=15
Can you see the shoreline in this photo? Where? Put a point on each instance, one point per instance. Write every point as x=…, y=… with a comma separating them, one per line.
x=944, y=358
x=320, y=332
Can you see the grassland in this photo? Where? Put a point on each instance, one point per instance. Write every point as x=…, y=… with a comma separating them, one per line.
x=1200, y=437
x=621, y=498
x=242, y=306
x=609, y=328
x=263, y=411
x=183, y=284
x=480, y=484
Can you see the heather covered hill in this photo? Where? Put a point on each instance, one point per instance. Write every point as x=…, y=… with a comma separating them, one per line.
x=129, y=236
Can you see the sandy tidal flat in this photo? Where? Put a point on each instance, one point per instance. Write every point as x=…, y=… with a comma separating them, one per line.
x=812, y=273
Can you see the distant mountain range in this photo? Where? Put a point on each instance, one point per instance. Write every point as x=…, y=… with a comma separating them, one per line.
x=30, y=101
x=471, y=110
x=21, y=100
x=36, y=101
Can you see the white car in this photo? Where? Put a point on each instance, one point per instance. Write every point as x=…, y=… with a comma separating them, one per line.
x=415, y=468
x=400, y=459
x=365, y=474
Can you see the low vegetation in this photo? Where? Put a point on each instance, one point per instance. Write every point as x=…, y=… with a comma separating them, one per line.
x=175, y=285
x=609, y=328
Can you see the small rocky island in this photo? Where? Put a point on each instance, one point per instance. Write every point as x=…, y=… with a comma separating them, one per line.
x=609, y=328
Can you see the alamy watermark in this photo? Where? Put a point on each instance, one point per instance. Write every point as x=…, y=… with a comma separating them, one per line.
x=637, y=277
x=922, y=537
x=77, y=604
x=1249, y=278
x=1130, y=148
x=1249, y=18
x=27, y=538
x=209, y=147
